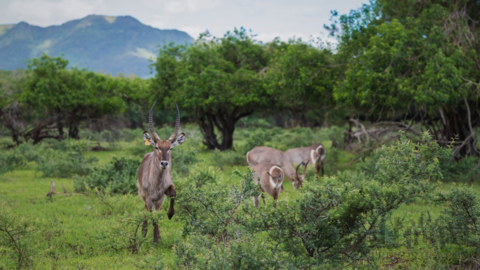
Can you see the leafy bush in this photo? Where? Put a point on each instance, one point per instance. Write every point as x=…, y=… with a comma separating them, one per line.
x=6, y=142
x=296, y=137
x=463, y=170
x=11, y=160
x=183, y=158
x=120, y=175
x=15, y=239
x=53, y=163
x=227, y=158
x=333, y=224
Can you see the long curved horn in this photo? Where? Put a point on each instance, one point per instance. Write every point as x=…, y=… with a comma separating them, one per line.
x=177, y=125
x=296, y=171
x=305, y=169
x=150, y=122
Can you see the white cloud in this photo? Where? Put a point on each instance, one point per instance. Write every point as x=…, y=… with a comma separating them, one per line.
x=267, y=18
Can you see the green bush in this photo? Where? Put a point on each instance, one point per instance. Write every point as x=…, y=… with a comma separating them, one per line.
x=184, y=157
x=11, y=160
x=463, y=170
x=120, y=175
x=53, y=163
x=227, y=158
x=15, y=239
x=334, y=223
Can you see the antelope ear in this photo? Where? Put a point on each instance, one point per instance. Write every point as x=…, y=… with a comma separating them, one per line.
x=148, y=139
x=280, y=176
x=180, y=139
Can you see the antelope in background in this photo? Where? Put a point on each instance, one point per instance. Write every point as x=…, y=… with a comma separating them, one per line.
x=271, y=180
x=263, y=154
x=154, y=180
x=314, y=153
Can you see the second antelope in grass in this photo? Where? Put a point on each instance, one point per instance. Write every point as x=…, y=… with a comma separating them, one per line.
x=271, y=179
x=314, y=153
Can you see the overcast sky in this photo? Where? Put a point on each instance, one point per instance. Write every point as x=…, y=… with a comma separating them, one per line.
x=266, y=18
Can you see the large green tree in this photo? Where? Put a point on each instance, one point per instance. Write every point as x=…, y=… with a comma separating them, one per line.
x=216, y=80
x=414, y=60
x=301, y=79
x=70, y=95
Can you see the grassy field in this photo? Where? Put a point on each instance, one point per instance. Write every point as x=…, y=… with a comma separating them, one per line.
x=73, y=231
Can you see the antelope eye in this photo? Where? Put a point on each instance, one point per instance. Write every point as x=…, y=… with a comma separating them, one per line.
x=157, y=148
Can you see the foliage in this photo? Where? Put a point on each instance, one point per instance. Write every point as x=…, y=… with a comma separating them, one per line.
x=227, y=158
x=120, y=175
x=15, y=242
x=301, y=78
x=463, y=170
x=215, y=80
x=62, y=159
x=10, y=160
x=454, y=233
x=416, y=61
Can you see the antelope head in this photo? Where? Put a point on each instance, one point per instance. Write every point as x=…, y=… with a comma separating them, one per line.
x=298, y=179
x=163, y=149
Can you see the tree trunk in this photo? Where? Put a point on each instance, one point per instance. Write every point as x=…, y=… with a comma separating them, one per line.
x=457, y=125
x=59, y=125
x=225, y=123
x=73, y=128
x=207, y=128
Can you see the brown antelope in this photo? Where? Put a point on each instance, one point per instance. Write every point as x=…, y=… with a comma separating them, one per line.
x=263, y=154
x=154, y=180
x=271, y=179
x=314, y=153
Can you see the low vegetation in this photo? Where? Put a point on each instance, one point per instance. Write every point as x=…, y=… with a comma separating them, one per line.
x=384, y=211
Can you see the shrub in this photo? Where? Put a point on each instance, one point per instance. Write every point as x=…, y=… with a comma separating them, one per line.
x=15, y=239
x=120, y=175
x=53, y=163
x=11, y=160
x=333, y=224
x=463, y=170
x=183, y=158
x=227, y=158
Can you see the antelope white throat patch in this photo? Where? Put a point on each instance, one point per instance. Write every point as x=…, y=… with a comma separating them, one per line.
x=275, y=186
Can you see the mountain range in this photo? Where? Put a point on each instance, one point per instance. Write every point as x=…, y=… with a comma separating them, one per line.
x=100, y=43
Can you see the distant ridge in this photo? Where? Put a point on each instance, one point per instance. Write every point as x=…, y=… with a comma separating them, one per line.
x=99, y=43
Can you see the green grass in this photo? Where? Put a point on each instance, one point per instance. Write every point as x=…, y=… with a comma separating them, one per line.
x=69, y=227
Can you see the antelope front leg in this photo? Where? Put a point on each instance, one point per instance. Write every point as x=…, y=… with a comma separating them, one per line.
x=171, y=210
x=170, y=192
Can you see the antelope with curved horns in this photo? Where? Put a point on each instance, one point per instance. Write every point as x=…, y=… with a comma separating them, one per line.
x=154, y=180
x=263, y=154
x=271, y=180
x=314, y=153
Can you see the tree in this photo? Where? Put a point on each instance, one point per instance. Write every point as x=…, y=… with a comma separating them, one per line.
x=72, y=95
x=215, y=80
x=417, y=61
x=301, y=78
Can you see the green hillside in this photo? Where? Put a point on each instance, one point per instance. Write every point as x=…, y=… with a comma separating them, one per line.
x=99, y=43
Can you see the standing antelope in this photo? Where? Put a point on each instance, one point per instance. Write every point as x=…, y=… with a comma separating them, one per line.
x=314, y=153
x=271, y=180
x=263, y=154
x=154, y=180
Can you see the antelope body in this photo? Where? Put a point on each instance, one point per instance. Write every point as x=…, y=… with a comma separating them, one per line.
x=154, y=179
x=314, y=153
x=271, y=179
x=263, y=154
